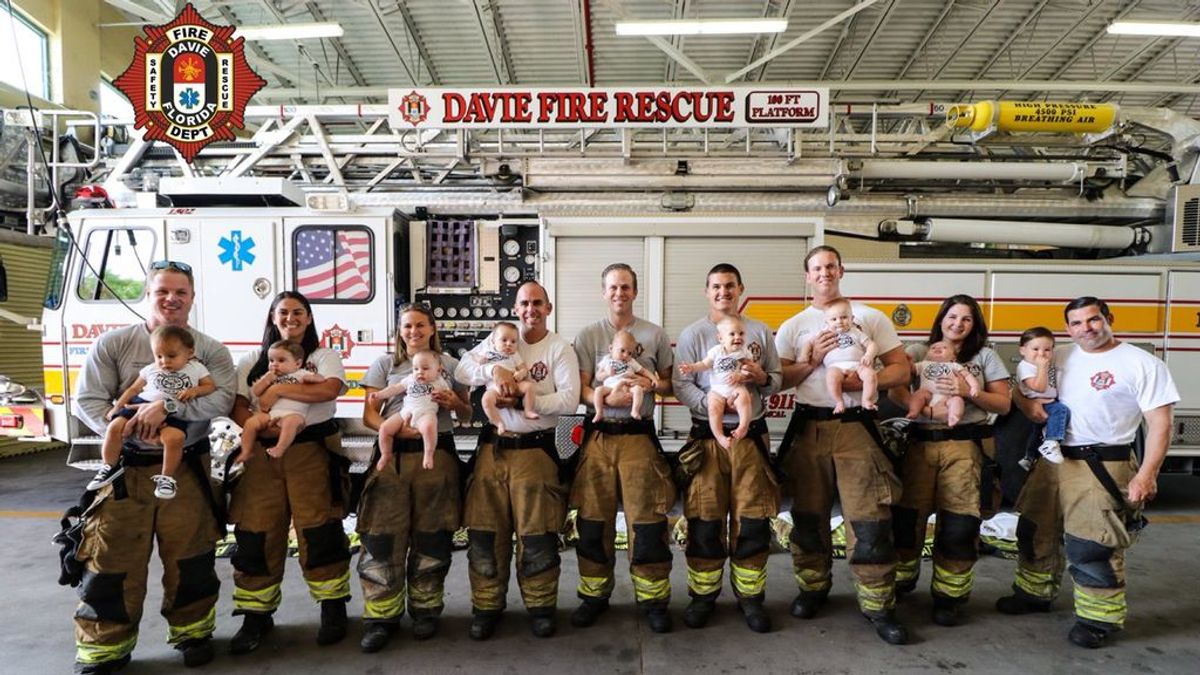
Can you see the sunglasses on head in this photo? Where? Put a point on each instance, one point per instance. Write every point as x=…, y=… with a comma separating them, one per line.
x=172, y=265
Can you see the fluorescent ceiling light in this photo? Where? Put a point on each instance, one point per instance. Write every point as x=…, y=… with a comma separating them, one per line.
x=290, y=31
x=1157, y=28
x=701, y=27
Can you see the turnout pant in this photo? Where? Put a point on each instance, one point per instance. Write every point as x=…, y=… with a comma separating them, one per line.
x=297, y=489
x=735, y=485
x=828, y=455
x=625, y=468
x=514, y=490
x=940, y=477
x=1065, y=508
x=120, y=532
x=406, y=521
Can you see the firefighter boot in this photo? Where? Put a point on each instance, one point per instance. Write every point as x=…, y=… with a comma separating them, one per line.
x=250, y=635
x=657, y=616
x=589, y=610
x=483, y=624
x=376, y=636
x=333, y=622
x=698, y=612
x=424, y=627
x=102, y=668
x=947, y=611
x=756, y=616
x=1017, y=604
x=196, y=651
x=1087, y=636
x=808, y=603
x=888, y=629
x=542, y=622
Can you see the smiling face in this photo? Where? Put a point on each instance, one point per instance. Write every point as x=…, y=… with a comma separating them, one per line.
x=942, y=352
x=724, y=292
x=824, y=274
x=426, y=367
x=416, y=331
x=291, y=319
x=505, y=339
x=619, y=292
x=958, y=324
x=170, y=354
x=532, y=308
x=171, y=296
x=1090, y=329
x=1037, y=347
x=732, y=334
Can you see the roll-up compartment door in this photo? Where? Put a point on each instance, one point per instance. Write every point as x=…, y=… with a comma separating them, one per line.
x=577, y=298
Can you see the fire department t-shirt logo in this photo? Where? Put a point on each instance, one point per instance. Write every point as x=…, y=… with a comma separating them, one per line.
x=619, y=367
x=189, y=83
x=1102, y=380
x=844, y=340
x=725, y=364
x=492, y=356
x=638, y=351
x=935, y=370
x=171, y=383
x=538, y=371
x=755, y=350
x=420, y=389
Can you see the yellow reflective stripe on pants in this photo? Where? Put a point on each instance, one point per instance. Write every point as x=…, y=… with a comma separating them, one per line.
x=423, y=598
x=811, y=581
x=333, y=589
x=384, y=608
x=1103, y=605
x=876, y=597
x=747, y=581
x=266, y=600
x=197, y=629
x=93, y=653
x=908, y=570
x=650, y=590
x=1041, y=585
x=952, y=584
x=704, y=583
x=595, y=587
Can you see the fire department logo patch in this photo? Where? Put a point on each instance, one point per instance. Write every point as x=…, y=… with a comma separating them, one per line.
x=1102, y=380
x=414, y=108
x=755, y=350
x=639, y=350
x=902, y=315
x=538, y=371
x=189, y=83
x=338, y=339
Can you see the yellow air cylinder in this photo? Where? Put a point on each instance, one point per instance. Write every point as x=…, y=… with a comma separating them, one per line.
x=1039, y=116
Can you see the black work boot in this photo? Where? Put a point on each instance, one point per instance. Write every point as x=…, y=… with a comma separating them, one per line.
x=657, y=617
x=903, y=588
x=947, y=611
x=483, y=625
x=196, y=651
x=250, y=635
x=424, y=626
x=542, y=622
x=588, y=611
x=1017, y=604
x=808, y=603
x=888, y=628
x=698, y=612
x=756, y=616
x=1087, y=636
x=102, y=668
x=376, y=636
x=333, y=622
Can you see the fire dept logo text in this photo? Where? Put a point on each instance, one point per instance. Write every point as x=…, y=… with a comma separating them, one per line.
x=189, y=83
x=1102, y=380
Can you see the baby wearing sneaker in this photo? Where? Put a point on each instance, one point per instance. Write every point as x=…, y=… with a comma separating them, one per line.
x=500, y=349
x=1038, y=380
x=174, y=374
x=285, y=365
x=616, y=371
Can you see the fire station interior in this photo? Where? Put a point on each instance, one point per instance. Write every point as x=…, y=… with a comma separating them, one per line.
x=447, y=152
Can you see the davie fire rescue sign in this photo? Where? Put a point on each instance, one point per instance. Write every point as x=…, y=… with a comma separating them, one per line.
x=623, y=107
x=189, y=83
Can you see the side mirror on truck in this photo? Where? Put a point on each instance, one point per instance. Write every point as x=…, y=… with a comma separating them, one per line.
x=3, y=282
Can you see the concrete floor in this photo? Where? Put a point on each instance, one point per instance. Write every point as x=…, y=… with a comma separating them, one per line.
x=1160, y=638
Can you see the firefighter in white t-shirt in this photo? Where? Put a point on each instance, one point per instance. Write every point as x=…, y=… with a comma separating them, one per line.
x=1090, y=505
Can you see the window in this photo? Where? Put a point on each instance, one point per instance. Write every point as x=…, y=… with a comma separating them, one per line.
x=122, y=258
x=332, y=263
x=58, y=268
x=24, y=43
x=113, y=104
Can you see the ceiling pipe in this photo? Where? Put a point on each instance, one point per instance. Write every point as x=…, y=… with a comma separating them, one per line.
x=961, y=231
x=1050, y=172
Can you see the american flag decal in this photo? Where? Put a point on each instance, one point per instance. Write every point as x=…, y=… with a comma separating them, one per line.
x=334, y=263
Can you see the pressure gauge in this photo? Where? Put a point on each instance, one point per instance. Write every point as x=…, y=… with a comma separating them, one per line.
x=512, y=274
x=477, y=312
x=503, y=312
x=438, y=312
x=452, y=312
x=512, y=247
x=491, y=312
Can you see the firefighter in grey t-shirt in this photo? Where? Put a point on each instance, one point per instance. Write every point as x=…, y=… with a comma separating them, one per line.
x=621, y=461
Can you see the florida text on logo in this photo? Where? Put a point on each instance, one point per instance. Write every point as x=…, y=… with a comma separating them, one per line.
x=189, y=83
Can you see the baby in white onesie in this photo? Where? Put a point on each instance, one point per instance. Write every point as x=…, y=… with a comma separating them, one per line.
x=939, y=362
x=855, y=353
x=285, y=365
x=419, y=411
x=500, y=349
x=616, y=370
x=725, y=359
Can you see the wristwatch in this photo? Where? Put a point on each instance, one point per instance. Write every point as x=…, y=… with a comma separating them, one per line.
x=171, y=406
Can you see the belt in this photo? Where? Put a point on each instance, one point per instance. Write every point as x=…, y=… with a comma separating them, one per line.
x=317, y=432
x=621, y=427
x=812, y=412
x=1106, y=453
x=701, y=431
x=132, y=455
x=971, y=432
x=534, y=439
x=418, y=445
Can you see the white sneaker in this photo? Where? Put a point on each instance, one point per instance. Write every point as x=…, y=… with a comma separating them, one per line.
x=105, y=476
x=164, y=486
x=1051, y=452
